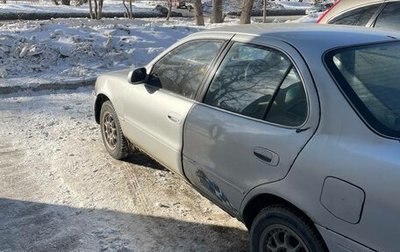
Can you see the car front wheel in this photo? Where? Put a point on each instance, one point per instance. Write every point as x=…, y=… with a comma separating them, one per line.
x=279, y=228
x=113, y=138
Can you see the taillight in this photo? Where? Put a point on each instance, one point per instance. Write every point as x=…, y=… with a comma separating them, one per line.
x=327, y=11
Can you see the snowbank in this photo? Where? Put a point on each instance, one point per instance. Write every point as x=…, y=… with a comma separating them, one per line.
x=69, y=50
x=45, y=7
x=310, y=18
x=235, y=6
x=295, y=5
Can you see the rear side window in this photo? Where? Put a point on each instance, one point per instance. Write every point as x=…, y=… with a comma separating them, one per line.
x=253, y=80
x=182, y=70
x=289, y=106
x=369, y=76
x=358, y=17
x=389, y=17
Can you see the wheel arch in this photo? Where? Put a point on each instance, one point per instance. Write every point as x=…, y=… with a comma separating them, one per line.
x=100, y=99
x=259, y=202
x=263, y=200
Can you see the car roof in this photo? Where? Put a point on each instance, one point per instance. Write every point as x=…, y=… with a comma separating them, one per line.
x=360, y=2
x=344, y=6
x=308, y=36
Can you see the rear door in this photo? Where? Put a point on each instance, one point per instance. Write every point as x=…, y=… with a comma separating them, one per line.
x=154, y=112
x=257, y=114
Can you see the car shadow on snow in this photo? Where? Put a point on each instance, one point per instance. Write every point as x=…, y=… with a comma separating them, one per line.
x=32, y=226
x=142, y=159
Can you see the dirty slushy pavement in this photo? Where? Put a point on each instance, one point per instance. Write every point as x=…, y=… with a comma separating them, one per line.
x=61, y=191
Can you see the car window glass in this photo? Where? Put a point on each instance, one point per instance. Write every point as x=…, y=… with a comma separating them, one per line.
x=289, y=106
x=389, y=17
x=370, y=77
x=359, y=17
x=183, y=69
x=247, y=79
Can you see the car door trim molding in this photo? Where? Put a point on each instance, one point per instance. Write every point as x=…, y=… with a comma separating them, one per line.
x=215, y=64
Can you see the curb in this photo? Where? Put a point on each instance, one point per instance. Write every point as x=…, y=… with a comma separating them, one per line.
x=48, y=86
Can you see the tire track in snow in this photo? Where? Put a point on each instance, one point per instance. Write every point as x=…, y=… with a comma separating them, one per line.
x=135, y=188
x=10, y=172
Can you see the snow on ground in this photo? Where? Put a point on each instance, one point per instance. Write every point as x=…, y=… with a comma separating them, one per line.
x=50, y=7
x=310, y=18
x=235, y=5
x=61, y=191
x=295, y=5
x=139, y=6
x=72, y=50
x=65, y=50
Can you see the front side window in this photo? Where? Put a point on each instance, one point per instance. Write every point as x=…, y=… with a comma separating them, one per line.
x=252, y=80
x=389, y=17
x=182, y=70
x=369, y=76
x=358, y=17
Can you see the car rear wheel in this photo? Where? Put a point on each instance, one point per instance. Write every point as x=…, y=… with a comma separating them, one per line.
x=113, y=138
x=279, y=229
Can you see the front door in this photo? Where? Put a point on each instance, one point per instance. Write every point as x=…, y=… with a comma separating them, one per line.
x=155, y=111
x=254, y=120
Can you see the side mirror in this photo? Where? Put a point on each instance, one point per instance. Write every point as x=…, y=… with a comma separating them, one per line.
x=137, y=76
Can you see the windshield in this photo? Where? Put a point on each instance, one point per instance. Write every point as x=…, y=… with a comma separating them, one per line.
x=370, y=77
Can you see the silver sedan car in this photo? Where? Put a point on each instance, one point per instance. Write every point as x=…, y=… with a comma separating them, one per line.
x=293, y=129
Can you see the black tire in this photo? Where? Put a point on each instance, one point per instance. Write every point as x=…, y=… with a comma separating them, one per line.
x=113, y=138
x=278, y=227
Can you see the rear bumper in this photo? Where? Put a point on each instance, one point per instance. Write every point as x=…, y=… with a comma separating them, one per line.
x=339, y=243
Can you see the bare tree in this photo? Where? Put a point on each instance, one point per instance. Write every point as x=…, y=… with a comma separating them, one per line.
x=246, y=11
x=217, y=12
x=91, y=10
x=131, y=9
x=198, y=12
x=98, y=9
x=95, y=9
x=128, y=14
x=66, y=2
x=169, y=9
x=264, y=11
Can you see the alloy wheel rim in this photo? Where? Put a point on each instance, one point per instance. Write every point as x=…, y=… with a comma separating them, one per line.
x=110, y=131
x=280, y=238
